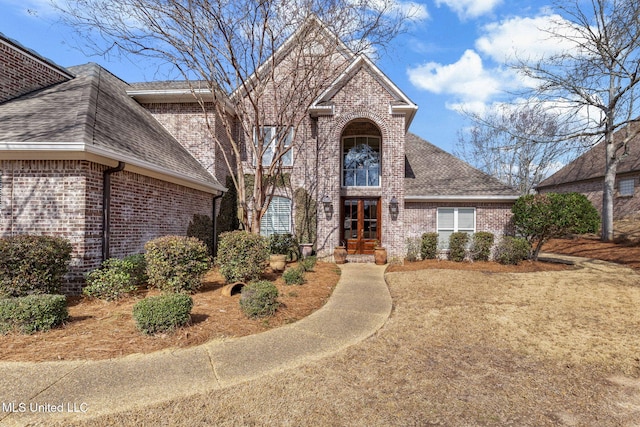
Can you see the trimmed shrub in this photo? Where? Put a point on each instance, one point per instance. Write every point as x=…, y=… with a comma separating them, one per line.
x=293, y=276
x=33, y=264
x=512, y=250
x=458, y=246
x=163, y=313
x=242, y=256
x=259, y=299
x=176, y=263
x=116, y=278
x=308, y=263
x=201, y=227
x=284, y=244
x=482, y=241
x=541, y=217
x=413, y=248
x=32, y=313
x=429, y=246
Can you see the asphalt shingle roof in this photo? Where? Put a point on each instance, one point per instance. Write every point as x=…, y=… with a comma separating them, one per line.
x=94, y=108
x=591, y=165
x=430, y=171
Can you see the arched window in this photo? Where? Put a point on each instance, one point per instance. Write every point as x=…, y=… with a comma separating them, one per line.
x=277, y=218
x=361, y=161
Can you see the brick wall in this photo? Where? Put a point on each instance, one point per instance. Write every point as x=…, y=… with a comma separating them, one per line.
x=21, y=73
x=623, y=206
x=64, y=198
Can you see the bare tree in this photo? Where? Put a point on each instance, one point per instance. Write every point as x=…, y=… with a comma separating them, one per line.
x=520, y=144
x=596, y=80
x=253, y=66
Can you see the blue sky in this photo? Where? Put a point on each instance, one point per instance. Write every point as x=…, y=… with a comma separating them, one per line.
x=452, y=56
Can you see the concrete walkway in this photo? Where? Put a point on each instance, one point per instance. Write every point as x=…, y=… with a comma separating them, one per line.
x=35, y=393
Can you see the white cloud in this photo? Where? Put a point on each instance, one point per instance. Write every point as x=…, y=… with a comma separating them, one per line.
x=467, y=80
x=522, y=38
x=415, y=11
x=466, y=9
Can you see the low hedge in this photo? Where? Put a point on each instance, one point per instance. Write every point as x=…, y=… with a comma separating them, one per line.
x=176, y=263
x=511, y=250
x=116, y=278
x=32, y=313
x=241, y=255
x=163, y=313
x=482, y=241
x=33, y=264
x=458, y=246
x=259, y=299
x=429, y=246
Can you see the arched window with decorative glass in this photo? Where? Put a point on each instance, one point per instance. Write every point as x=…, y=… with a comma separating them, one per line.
x=277, y=218
x=361, y=161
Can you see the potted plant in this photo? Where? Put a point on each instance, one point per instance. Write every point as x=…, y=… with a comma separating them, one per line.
x=306, y=249
x=340, y=253
x=280, y=247
x=380, y=254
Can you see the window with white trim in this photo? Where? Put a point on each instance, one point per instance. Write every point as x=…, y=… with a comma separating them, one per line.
x=451, y=220
x=277, y=218
x=272, y=137
x=626, y=186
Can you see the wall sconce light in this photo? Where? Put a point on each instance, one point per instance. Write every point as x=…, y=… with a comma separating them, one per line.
x=327, y=206
x=393, y=208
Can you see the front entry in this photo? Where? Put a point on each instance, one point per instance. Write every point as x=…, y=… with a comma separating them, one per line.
x=361, y=225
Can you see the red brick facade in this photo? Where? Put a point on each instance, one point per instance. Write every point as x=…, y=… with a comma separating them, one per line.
x=64, y=198
x=22, y=73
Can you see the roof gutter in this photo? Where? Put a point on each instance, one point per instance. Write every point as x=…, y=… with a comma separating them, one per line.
x=106, y=209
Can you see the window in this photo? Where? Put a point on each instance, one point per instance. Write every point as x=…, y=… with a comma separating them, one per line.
x=625, y=187
x=361, y=161
x=451, y=220
x=277, y=218
x=272, y=136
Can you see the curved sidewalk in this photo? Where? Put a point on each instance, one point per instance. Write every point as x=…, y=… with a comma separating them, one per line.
x=48, y=391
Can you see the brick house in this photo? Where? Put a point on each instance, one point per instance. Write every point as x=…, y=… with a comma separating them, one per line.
x=586, y=175
x=364, y=177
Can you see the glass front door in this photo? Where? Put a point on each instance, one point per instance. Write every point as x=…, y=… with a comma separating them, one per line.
x=361, y=225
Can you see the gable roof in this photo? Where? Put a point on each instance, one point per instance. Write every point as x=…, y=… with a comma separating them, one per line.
x=401, y=104
x=92, y=117
x=433, y=174
x=591, y=165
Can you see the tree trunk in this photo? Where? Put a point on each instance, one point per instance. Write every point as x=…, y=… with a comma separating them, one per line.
x=608, y=192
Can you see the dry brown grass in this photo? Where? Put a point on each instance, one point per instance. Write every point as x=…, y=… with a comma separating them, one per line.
x=461, y=348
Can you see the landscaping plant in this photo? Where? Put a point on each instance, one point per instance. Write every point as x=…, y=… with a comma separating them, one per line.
x=284, y=244
x=33, y=264
x=37, y=312
x=308, y=263
x=176, y=263
x=429, y=246
x=481, y=243
x=541, y=217
x=458, y=246
x=511, y=250
x=293, y=276
x=259, y=299
x=413, y=248
x=163, y=313
x=241, y=255
x=116, y=278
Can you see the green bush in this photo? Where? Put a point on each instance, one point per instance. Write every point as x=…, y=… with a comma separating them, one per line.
x=413, y=248
x=294, y=276
x=32, y=313
x=541, y=217
x=458, y=246
x=512, y=250
x=163, y=313
x=176, y=263
x=429, y=246
x=33, y=264
x=308, y=263
x=284, y=244
x=482, y=241
x=201, y=227
x=242, y=256
x=116, y=278
x=259, y=299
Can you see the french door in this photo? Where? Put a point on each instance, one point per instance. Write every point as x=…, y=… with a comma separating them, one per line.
x=360, y=224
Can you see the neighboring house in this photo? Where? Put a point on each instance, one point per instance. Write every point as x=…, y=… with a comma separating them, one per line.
x=80, y=159
x=363, y=177
x=586, y=175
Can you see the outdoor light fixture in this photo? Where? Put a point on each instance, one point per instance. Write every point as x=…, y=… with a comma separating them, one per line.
x=393, y=208
x=327, y=206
